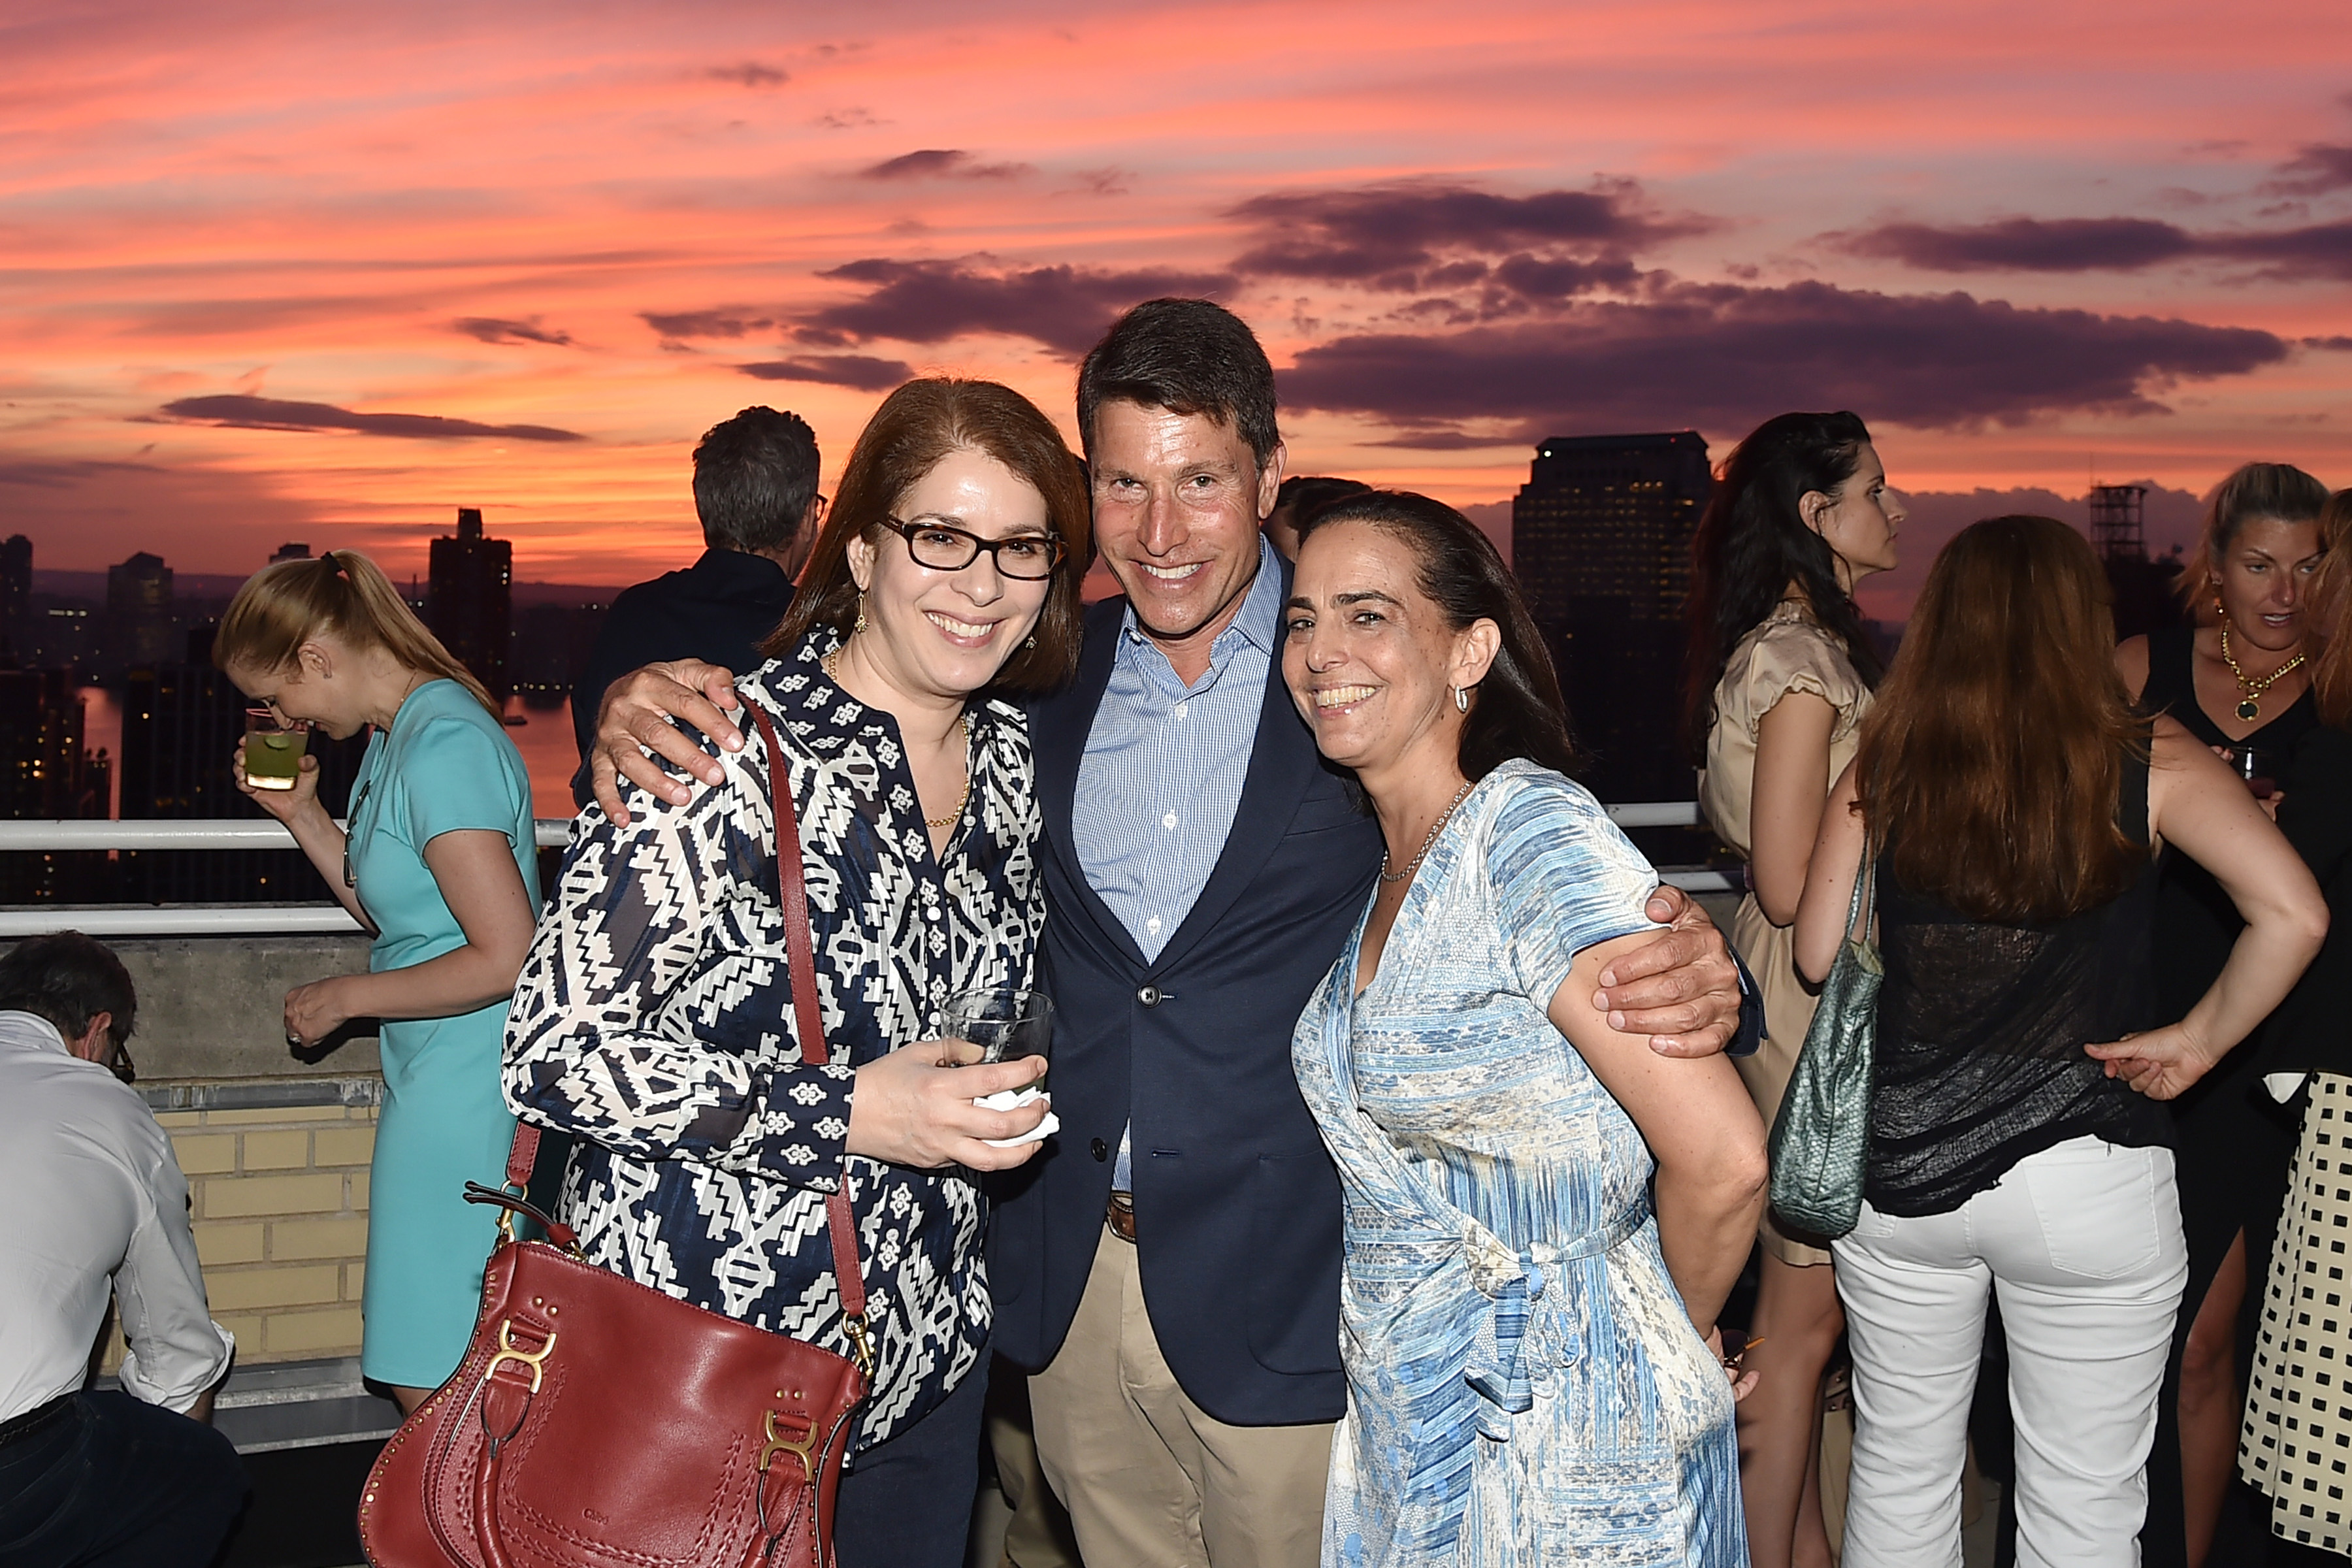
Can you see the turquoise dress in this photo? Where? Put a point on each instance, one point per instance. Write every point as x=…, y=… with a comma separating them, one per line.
x=443, y=767
x=1524, y=1384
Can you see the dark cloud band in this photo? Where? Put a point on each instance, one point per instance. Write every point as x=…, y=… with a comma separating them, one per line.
x=2096, y=244
x=239, y=411
x=862, y=372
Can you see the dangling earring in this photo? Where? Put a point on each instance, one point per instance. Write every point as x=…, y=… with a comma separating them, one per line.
x=861, y=616
x=1462, y=699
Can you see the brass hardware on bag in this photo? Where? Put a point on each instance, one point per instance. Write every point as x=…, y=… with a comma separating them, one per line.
x=509, y=1351
x=800, y=1447
x=854, y=1326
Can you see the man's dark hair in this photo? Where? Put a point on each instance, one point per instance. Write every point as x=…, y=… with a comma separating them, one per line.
x=1187, y=356
x=69, y=979
x=754, y=476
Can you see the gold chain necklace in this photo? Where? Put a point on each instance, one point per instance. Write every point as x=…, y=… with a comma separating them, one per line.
x=2250, y=692
x=831, y=665
x=1427, y=843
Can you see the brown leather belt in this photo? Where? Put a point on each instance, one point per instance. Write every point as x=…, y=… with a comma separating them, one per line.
x=1121, y=1216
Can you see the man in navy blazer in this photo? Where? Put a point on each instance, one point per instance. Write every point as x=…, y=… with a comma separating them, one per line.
x=1167, y=1267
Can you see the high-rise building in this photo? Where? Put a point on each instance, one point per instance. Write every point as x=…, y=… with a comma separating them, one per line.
x=44, y=774
x=138, y=613
x=1601, y=540
x=2140, y=589
x=16, y=593
x=470, y=600
x=181, y=723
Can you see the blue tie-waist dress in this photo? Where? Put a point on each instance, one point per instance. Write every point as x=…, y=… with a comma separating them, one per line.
x=443, y=767
x=1525, y=1384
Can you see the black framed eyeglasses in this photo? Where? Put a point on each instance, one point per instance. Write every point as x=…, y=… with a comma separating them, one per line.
x=1027, y=557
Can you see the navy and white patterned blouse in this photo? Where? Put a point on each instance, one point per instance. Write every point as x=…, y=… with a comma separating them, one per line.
x=654, y=1020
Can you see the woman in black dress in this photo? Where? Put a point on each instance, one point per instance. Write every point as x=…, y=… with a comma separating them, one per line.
x=2237, y=678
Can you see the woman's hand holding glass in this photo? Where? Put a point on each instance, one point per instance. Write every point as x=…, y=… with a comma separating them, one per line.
x=285, y=805
x=916, y=1107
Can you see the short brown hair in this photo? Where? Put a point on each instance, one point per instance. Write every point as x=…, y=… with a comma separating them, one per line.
x=1990, y=765
x=1187, y=356
x=918, y=426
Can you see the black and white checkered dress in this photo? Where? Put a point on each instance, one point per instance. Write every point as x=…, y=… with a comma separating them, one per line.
x=2296, y=1442
x=654, y=1019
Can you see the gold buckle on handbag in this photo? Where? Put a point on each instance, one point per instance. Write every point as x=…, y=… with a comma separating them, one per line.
x=509, y=1351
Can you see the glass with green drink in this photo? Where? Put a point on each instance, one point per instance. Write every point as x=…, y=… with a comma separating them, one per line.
x=273, y=749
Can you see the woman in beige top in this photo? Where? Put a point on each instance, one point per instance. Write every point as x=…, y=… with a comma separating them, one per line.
x=1781, y=678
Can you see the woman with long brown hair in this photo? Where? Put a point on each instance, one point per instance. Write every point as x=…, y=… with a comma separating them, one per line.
x=2237, y=677
x=2009, y=803
x=440, y=864
x=653, y=1021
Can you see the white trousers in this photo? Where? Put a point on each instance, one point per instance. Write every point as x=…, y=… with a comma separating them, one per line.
x=2083, y=1243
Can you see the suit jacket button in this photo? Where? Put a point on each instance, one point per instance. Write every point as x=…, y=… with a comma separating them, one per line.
x=1151, y=995
x=1100, y=1150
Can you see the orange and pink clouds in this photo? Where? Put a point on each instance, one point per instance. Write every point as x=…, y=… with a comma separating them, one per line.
x=272, y=272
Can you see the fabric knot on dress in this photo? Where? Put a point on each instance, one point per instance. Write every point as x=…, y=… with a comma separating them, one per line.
x=1516, y=1345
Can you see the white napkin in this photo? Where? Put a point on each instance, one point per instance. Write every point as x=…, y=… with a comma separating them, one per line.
x=1013, y=1099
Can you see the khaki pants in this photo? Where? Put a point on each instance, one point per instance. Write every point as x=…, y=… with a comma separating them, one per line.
x=1153, y=1480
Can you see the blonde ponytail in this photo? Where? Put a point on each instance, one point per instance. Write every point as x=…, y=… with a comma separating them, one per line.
x=288, y=602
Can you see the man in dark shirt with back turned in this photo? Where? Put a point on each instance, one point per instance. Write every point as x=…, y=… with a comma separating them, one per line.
x=755, y=490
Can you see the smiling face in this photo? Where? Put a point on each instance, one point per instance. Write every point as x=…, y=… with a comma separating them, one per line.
x=317, y=687
x=2264, y=582
x=1370, y=658
x=1860, y=523
x=1178, y=497
x=944, y=635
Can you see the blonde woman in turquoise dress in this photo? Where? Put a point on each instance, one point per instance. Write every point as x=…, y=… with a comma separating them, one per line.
x=439, y=865
x=1542, y=1216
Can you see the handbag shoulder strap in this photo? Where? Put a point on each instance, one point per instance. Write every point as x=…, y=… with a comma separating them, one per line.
x=791, y=897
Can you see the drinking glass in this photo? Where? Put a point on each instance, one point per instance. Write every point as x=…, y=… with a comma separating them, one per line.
x=2257, y=767
x=273, y=751
x=1006, y=1023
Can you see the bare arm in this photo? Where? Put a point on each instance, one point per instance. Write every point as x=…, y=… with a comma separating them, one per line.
x=638, y=713
x=1829, y=882
x=1792, y=774
x=2198, y=806
x=2131, y=663
x=476, y=872
x=1701, y=1128
x=1678, y=991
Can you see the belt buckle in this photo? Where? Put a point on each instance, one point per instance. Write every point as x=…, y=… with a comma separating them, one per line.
x=1121, y=1216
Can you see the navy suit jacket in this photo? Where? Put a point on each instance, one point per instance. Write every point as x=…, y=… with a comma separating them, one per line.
x=1236, y=1203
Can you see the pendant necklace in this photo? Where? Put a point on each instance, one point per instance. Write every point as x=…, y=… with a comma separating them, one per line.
x=1427, y=843
x=2249, y=690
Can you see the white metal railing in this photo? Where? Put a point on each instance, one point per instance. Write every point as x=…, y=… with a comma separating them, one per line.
x=317, y=919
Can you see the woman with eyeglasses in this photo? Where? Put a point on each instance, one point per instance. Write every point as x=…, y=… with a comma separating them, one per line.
x=654, y=1021
x=440, y=865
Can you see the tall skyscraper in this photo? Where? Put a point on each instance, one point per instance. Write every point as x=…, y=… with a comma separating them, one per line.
x=1601, y=540
x=470, y=600
x=16, y=593
x=138, y=613
x=45, y=773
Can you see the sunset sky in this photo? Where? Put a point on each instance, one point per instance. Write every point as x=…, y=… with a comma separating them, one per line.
x=327, y=272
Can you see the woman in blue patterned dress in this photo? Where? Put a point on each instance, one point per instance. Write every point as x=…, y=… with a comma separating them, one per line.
x=1543, y=1216
x=654, y=1021
x=440, y=864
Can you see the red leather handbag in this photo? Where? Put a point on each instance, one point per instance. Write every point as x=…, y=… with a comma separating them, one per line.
x=596, y=1423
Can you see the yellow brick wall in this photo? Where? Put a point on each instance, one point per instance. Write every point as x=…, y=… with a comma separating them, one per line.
x=280, y=1202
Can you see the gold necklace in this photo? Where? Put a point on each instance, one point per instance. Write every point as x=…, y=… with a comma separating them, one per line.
x=1427, y=843
x=2249, y=690
x=831, y=665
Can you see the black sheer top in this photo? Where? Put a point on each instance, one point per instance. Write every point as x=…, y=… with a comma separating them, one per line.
x=1981, y=1028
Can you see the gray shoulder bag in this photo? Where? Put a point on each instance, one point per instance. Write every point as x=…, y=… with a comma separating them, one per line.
x=1821, y=1140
